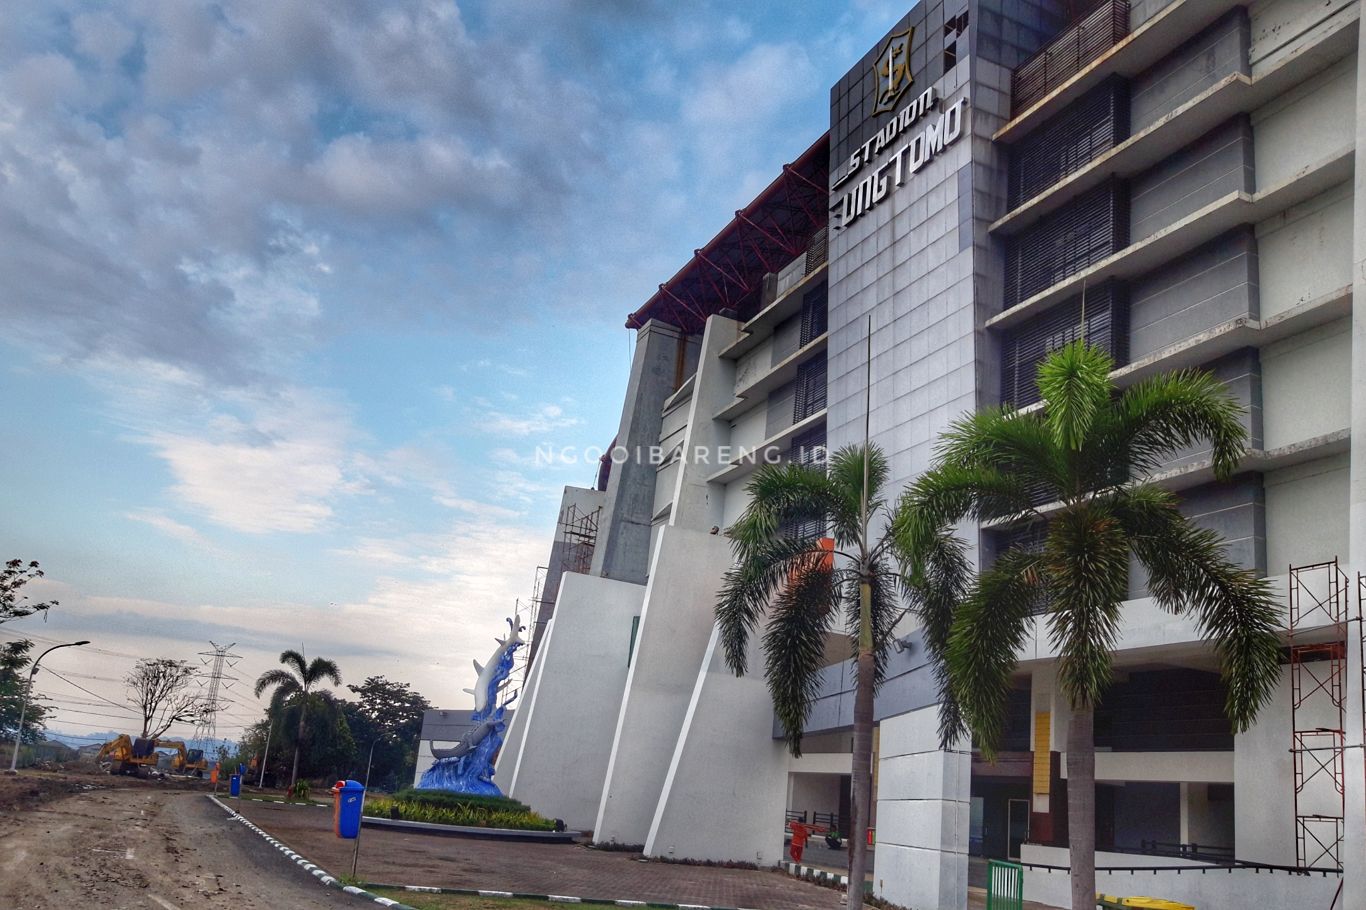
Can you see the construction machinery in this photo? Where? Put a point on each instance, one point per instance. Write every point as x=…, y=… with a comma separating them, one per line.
x=126, y=755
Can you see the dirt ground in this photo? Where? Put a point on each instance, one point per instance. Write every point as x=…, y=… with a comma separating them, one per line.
x=138, y=844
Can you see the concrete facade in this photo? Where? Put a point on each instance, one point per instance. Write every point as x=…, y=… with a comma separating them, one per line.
x=1219, y=215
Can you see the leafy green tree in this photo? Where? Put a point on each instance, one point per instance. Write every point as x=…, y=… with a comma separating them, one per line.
x=806, y=565
x=292, y=687
x=389, y=716
x=14, y=604
x=1081, y=453
x=14, y=662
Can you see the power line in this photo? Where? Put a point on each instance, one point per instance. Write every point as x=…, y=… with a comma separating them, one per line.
x=84, y=689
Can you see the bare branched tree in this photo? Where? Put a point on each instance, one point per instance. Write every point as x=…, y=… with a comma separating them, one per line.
x=157, y=687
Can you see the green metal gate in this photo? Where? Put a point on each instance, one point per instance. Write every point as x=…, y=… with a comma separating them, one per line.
x=1005, y=885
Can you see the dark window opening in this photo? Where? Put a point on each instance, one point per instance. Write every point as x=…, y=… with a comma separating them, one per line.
x=1027, y=344
x=815, y=315
x=1090, y=228
x=1069, y=140
x=810, y=393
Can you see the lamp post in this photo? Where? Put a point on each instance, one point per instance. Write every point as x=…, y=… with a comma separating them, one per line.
x=355, y=853
x=28, y=692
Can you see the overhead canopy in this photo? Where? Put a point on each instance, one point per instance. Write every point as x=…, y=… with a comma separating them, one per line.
x=763, y=237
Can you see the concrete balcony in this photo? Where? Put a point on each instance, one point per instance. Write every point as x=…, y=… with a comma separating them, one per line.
x=1143, y=47
x=1201, y=226
x=1234, y=94
x=766, y=320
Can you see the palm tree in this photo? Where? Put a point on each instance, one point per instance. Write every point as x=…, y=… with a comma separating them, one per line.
x=1085, y=453
x=297, y=681
x=806, y=563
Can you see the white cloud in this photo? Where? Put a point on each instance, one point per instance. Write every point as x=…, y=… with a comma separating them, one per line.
x=279, y=469
x=542, y=419
x=170, y=527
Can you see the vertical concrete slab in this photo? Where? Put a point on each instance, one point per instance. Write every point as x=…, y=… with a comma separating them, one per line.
x=1354, y=844
x=581, y=674
x=675, y=627
x=697, y=503
x=623, y=548
x=923, y=806
x=726, y=787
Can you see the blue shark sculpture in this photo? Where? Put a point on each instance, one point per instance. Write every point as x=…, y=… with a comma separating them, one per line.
x=468, y=766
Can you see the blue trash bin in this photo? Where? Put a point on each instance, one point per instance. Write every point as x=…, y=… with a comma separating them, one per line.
x=235, y=785
x=346, y=815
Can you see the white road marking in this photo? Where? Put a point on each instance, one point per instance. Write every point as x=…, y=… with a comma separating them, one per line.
x=163, y=902
x=129, y=854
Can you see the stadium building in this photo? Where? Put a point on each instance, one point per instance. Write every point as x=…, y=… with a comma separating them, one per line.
x=1191, y=168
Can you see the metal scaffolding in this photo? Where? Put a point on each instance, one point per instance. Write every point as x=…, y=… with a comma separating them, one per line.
x=578, y=532
x=1318, y=687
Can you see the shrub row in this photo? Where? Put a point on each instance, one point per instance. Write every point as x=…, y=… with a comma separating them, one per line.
x=466, y=815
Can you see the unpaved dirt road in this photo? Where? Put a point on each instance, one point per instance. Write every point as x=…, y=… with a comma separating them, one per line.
x=114, y=849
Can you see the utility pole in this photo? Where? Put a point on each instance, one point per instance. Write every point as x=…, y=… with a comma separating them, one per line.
x=221, y=656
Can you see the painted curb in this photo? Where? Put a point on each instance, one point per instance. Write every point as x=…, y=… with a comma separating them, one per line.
x=311, y=868
x=561, y=898
x=811, y=873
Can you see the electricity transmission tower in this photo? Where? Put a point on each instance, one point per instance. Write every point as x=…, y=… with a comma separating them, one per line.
x=219, y=660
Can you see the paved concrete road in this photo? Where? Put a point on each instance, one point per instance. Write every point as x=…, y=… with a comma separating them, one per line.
x=398, y=857
x=140, y=848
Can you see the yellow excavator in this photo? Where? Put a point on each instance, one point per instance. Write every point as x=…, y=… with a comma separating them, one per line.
x=126, y=755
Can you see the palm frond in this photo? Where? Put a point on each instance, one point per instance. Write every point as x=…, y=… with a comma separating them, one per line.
x=746, y=589
x=282, y=680
x=321, y=668
x=1087, y=557
x=935, y=579
x=1075, y=385
x=988, y=630
x=1160, y=416
x=950, y=493
x=794, y=643
x=846, y=479
x=1019, y=444
x=295, y=661
x=1189, y=572
x=781, y=495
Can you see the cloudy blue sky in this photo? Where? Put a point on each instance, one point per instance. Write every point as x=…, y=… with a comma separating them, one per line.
x=293, y=291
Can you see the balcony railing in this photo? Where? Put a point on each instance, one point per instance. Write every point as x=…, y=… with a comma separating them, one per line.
x=1086, y=39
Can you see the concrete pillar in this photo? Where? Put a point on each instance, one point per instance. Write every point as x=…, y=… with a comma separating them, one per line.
x=923, y=809
x=581, y=673
x=675, y=627
x=697, y=503
x=724, y=794
x=623, y=547
x=1354, y=843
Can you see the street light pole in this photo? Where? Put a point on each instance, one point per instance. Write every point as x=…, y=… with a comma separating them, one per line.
x=266, y=757
x=355, y=853
x=28, y=693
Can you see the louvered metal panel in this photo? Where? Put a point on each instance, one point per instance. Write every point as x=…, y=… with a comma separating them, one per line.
x=1080, y=234
x=1026, y=345
x=817, y=251
x=1093, y=33
x=810, y=392
x=1069, y=140
x=815, y=315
